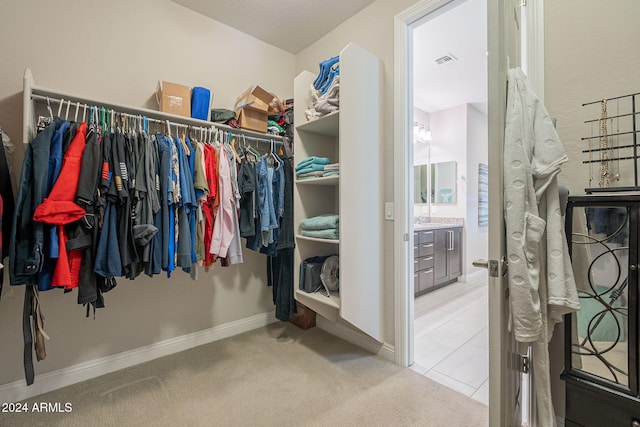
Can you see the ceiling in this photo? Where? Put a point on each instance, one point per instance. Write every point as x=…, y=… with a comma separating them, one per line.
x=461, y=32
x=291, y=25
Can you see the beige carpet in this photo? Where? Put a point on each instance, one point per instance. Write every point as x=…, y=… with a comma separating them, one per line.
x=278, y=375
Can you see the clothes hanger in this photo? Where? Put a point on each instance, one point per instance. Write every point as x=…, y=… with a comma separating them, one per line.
x=84, y=114
x=273, y=154
x=233, y=148
x=256, y=154
x=60, y=107
x=184, y=143
x=66, y=114
x=49, y=108
x=75, y=119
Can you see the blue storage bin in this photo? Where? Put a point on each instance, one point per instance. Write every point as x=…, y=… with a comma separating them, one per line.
x=200, y=101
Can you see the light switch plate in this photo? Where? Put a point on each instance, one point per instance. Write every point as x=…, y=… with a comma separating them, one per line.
x=388, y=211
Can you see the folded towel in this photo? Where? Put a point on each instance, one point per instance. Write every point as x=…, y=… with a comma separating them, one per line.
x=332, y=166
x=330, y=233
x=320, y=222
x=310, y=168
x=313, y=160
x=330, y=173
x=316, y=174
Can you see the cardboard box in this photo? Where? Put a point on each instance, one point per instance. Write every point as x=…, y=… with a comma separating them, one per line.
x=174, y=98
x=251, y=109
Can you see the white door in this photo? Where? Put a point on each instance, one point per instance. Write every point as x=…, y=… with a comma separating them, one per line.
x=505, y=384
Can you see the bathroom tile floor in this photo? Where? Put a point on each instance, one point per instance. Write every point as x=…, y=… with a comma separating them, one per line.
x=451, y=341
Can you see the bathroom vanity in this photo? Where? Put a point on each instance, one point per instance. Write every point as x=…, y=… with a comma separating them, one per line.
x=437, y=256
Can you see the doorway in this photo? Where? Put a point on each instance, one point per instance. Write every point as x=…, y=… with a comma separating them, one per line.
x=450, y=157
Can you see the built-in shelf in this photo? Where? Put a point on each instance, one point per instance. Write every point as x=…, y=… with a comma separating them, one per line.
x=325, y=125
x=333, y=300
x=350, y=138
x=326, y=180
x=315, y=239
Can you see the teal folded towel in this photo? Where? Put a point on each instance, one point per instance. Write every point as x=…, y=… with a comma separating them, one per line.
x=310, y=168
x=321, y=222
x=313, y=160
x=330, y=233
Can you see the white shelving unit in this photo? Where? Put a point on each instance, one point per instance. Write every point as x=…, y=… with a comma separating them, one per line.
x=351, y=137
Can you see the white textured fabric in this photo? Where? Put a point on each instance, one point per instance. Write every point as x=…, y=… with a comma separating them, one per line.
x=541, y=283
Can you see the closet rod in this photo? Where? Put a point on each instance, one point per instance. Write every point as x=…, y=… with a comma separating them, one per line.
x=612, y=117
x=236, y=132
x=611, y=99
x=41, y=94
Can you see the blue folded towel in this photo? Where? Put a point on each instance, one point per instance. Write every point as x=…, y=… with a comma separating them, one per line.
x=320, y=222
x=313, y=160
x=330, y=233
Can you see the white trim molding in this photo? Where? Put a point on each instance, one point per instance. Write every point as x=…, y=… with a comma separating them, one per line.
x=403, y=119
x=18, y=390
x=386, y=351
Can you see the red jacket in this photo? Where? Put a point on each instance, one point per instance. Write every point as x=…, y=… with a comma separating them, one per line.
x=60, y=209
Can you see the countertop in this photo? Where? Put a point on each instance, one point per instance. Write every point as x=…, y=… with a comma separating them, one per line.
x=433, y=226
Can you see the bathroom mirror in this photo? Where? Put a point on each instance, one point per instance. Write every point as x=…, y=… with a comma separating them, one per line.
x=442, y=182
x=420, y=183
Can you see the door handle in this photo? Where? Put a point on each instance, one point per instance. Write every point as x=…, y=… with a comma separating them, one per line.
x=493, y=266
x=481, y=263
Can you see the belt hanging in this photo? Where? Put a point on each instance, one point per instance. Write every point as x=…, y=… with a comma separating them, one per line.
x=28, y=337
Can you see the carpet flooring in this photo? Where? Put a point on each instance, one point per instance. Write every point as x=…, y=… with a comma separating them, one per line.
x=278, y=375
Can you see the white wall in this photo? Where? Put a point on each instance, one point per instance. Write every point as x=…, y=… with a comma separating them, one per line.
x=590, y=53
x=372, y=29
x=116, y=51
x=476, y=237
x=449, y=132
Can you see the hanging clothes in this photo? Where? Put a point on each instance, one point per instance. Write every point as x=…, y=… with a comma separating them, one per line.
x=208, y=207
x=60, y=209
x=235, y=246
x=201, y=188
x=541, y=283
x=25, y=252
x=223, y=227
x=280, y=268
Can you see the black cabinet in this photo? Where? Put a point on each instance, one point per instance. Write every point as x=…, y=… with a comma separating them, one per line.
x=437, y=258
x=601, y=340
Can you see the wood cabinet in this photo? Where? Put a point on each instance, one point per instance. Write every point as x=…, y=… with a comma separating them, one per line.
x=356, y=194
x=437, y=258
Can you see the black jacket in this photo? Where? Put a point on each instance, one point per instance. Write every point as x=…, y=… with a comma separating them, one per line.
x=27, y=236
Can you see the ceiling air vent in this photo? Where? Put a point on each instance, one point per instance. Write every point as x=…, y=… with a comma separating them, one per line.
x=448, y=58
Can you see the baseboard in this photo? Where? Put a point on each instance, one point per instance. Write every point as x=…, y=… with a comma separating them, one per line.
x=18, y=390
x=476, y=275
x=386, y=351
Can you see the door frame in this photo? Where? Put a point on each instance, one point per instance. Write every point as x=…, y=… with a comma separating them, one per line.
x=403, y=154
